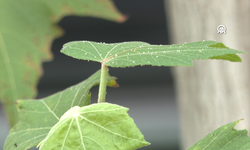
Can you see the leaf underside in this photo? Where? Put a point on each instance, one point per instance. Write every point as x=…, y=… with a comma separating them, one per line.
x=129, y=54
x=37, y=117
x=224, y=138
x=27, y=29
x=101, y=126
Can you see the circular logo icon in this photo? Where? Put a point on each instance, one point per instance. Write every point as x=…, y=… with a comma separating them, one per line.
x=221, y=29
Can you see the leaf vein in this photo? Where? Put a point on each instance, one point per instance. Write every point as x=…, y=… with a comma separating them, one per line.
x=66, y=136
x=50, y=110
x=108, y=130
x=95, y=49
x=81, y=136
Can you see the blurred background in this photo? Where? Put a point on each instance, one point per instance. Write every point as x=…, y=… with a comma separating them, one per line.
x=147, y=91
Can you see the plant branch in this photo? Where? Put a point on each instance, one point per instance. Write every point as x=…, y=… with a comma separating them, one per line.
x=103, y=84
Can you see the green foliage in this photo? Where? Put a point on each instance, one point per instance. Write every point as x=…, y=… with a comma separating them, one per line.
x=225, y=137
x=129, y=54
x=103, y=125
x=37, y=117
x=97, y=126
x=26, y=30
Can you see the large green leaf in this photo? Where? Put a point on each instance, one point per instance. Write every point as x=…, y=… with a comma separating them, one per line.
x=38, y=116
x=27, y=28
x=98, y=126
x=128, y=54
x=224, y=138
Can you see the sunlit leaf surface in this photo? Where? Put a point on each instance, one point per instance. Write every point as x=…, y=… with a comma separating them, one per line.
x=101, y=126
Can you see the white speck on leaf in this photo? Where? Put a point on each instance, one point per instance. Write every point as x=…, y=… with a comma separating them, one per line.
x=156, y=56
x=178, y=51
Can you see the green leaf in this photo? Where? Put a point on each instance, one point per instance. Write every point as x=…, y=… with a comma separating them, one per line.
x=27, y=29
x=225, y=137
x=101, y=126
x=128, y=54
x=231, y=57
x=37, y=117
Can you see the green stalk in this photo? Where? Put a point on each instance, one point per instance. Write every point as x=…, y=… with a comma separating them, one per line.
x=103, y=83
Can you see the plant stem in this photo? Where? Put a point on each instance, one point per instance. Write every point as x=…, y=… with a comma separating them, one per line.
x=103, y=84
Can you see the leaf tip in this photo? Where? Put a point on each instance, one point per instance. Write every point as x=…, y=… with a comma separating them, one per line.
x=236, y=122
x=241, y=119
x=122, y=19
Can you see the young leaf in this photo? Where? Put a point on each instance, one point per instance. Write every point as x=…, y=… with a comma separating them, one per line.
x=98, y=126
x=38, y=116
x=129, y=54
x=225, y=137
x=27, y=29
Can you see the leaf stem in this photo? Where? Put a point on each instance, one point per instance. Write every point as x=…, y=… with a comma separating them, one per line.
x=103, y=83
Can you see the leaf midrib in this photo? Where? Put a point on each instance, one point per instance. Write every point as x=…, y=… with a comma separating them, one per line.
x=50, y=110
x=152, y=53
x=9, y=67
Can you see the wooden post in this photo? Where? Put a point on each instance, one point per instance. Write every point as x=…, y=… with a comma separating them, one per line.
x=212, y=92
